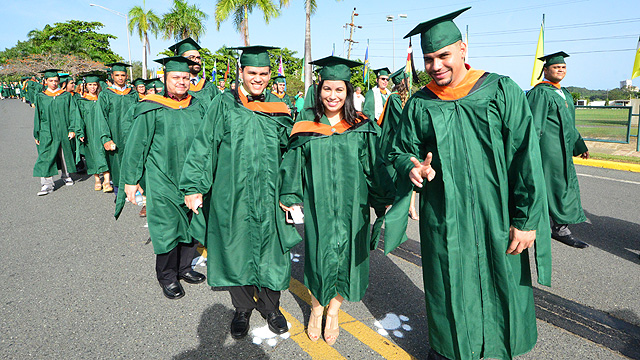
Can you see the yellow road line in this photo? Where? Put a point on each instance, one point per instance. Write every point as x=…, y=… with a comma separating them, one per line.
x=317, y=350
x=360, y=331
x=607, y=164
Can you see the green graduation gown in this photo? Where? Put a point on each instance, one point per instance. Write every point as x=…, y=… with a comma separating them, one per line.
x=554, y=118
x=159, y=140
x=55, y=117
x=285, y=99
x=488, y=178
x=369, y=105
x=112, y=124
x=337, y=171
x=91, y=148
x=234, y=162
x=204, y=91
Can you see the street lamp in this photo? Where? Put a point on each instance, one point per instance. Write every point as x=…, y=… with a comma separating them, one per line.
x=126, y=25
x=392, y=19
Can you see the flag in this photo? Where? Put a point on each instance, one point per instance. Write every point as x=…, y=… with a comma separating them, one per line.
x=214, y=71
x=365, y=70
x=281, y=67
x=636, y=64
x=410, y=69
x=226, y=73
x=537, y=63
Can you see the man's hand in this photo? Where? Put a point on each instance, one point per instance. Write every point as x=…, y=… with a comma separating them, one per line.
x=520, y=240
x=37, y=142
x=421, y=170
x=193, y=202
x=585, y=155
x=110, y=145
x=82, y=139
x=131, y=190
x=71, y=135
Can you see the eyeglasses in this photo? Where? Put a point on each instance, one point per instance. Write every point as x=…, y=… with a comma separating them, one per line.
x=384, y=78
x=193, y=57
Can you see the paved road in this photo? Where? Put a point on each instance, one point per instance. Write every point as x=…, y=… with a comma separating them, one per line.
x=78, y=285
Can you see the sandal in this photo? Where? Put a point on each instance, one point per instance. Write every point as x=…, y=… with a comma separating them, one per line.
x=97, y=186
x=314, y=328
x=331, y=330
x=107, y=188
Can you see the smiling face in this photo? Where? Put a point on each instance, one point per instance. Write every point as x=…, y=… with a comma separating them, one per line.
x=333, y=95
x=383, y=81
x=71, y=85
x=92, y=88
x=194, y=55
x=446, y=66
x=555, y=73
x=178, y=82
x=281, y=87
x=140, y=88
x=255, y=79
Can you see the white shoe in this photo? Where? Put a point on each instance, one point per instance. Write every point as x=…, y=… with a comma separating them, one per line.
x=68, y=181
x=45, y=190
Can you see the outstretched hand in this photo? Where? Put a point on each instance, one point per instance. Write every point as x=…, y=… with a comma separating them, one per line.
x=421, y=170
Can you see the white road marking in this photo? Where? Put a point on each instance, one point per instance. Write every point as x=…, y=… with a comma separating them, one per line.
x=612, y=179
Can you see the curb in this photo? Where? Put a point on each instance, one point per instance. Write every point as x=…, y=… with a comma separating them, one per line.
x=607, y=164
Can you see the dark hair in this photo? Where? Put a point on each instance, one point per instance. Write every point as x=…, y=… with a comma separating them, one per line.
x=348, y=110
x=403, y=91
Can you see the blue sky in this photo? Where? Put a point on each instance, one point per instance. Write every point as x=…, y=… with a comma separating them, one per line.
x=600, y=36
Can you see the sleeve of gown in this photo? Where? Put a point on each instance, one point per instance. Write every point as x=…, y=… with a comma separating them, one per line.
x=291, y=174
x=36, y=119
x=75, y=120
x=102, y=129
x=381, y=187
x=135, y=154
x=524, y=167
x=198, y=171
x=369, y=106
x=539, y=105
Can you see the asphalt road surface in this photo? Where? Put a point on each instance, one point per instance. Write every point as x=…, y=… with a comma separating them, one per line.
x=76, y=284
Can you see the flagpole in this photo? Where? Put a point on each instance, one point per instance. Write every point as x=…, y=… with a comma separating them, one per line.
x=368, y=86
x=537, y=63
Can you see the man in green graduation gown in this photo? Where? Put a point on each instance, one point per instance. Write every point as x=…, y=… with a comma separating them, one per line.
x=163, y=127
x=112, y=124
x=280, y=92
x=139, y=85
x=232, y=170
x=55, y=126
x=375, y=98
x=205, y=91
x=554, y=118
x=482, y=206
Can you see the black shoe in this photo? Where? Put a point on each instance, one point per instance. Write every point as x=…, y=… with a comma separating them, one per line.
x=173, y=291
x=240, y=324
x=277, y=323
x=571, y=241
x=192, y=277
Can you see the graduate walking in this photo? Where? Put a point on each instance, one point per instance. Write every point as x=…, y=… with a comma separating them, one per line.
x=205, y=91
x=555, y=119
x=375, y=98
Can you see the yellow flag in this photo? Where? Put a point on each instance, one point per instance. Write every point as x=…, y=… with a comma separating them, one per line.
x=636, y=63
x=536, y=76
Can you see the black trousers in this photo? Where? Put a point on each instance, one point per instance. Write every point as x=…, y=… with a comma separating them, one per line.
x=175, y=262
x=242, y=298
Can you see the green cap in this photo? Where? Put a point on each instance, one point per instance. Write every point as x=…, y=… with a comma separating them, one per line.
x=158, y=84
x=382, y=72
x=398, y=76
x=257, y=55
x=49, y=73
x=280, y=79
x=176, y=63
x=149, y=84
x=92, y=78
x=439, y=32
x=335, y=68
x=118, y=66
x=184, y=46
x=138, y=81
x=555, y=58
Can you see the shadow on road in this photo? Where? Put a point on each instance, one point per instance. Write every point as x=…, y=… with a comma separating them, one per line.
x=213, y=333
x=618, y=237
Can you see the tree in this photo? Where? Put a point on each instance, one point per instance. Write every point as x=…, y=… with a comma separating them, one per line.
x=183, y=21
x=576, y=96
x=310, y=8
x=241, y=10
x=144, y=22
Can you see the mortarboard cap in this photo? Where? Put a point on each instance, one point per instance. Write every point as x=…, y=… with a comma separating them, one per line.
x=438, y=33
x=92, y=78
x=117, y=66
x=149, y=84
x=335, y=68
x=278, y=79
x=138, y=81
x=184, y=46
x=398, y=76
x=555, y=58
x=176, y=63
x=382, y=72
x=257, y=55
x=158, y=84
x=49, y=73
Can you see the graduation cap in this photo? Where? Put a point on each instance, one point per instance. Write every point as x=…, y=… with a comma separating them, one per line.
x=176, y=63
x=398, y=76
x=138, y=81
x=158, y=84
x=257, y=55
x=184, y=46
x=149, y=84
x=49, y=73
x=118, y=66
x=555, y=58
x=280, y=79
x=382, y=72
x=335, y=68
x=439, y=32
x=92, y=78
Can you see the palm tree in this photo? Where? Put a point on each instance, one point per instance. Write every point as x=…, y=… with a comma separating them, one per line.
x=241, y=10
x=144, y=22
x=310, y=8
x=183, y=21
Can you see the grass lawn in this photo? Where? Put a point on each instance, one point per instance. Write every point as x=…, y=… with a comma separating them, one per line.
x=619, y=158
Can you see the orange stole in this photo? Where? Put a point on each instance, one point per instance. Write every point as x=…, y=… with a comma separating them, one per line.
x=197, y=87
x=556, y=85
x=265, y=107
x=57, y=93
x=323, y=129
x=170, y=103
x=460, y=91
x=123, y=92
x=89, y=96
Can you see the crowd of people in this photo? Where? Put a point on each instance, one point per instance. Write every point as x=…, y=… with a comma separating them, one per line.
x=234, y=168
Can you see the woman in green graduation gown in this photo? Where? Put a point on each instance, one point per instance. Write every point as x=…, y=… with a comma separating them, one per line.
x=91, y=147
x=333, y=165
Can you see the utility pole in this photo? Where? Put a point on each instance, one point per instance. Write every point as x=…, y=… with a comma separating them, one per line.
x=352, y=25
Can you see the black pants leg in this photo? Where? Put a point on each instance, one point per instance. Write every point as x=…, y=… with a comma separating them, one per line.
x=177, y=261
x=243, y=299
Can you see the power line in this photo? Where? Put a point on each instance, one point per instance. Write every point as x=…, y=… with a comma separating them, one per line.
x=526, y=55
x=500, y=43
x=559, y=27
